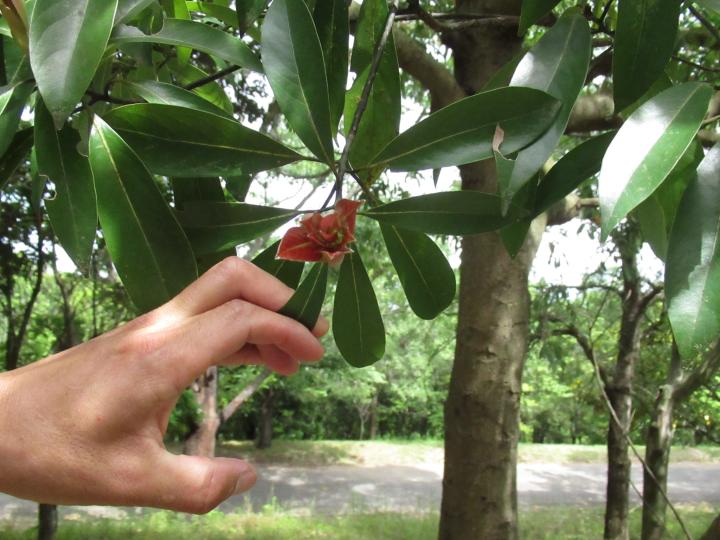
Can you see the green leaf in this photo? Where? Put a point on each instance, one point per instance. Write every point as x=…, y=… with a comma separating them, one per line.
x=194, y=35
x=127, y=10
x=295, y=68
x=12, y=103
x=579, y=164
x=647, y=148
x=223, y=14
x=169, y=94
x=358, y=327
x=73, y=211
x=149, y=249
x=248, y=11
x=239, y=186
x=463, y=132
x=513, y=236
x=451, y=212
x=182, y=142
x=644, y=42
x=289, y=272
x=425, y=274
x=534, y=10
x=710, y=4
x=558, y=65
x=67, y=43
x=16, y=153
x=191, y=190
x=656, y=214
x=306, y=303
x=216, y=226
x=381, y=121
x=331, y=21
x=693, y=264
x=212, y=91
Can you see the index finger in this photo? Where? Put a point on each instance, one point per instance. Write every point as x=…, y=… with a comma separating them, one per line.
x=235, y=278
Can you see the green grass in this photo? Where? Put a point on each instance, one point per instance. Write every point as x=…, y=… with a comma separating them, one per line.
x=547, y=523
x=378, y=453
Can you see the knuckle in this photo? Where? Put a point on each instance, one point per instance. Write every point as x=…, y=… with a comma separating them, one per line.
x=238, y=308
x=231, y=269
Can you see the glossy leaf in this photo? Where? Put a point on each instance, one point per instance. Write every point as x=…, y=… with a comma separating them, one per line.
x=579, y=164
x=306, y=304
x=295, y=68
x=192, y=190
x=513, y=236
x=558, y=65
x=16, y=153
x=463, y=132
x=331, y=21
x=12, y=103
x=149, y=249
x=170, y=94
x=425, y=274
x=289, y=272
x=127, y=10
x=656, y=214
x=452, y=212
x=534, y=10
x=73, y=210
x=182, y=142
x=693, y=265
x=381, y=120
x=194, y=35
x=644, y=42
x=67, y=43
x=212, y=91
x=224, y=14
x=358, y=327
x=248, y=11
x=648, y=147
x=239, y=186
x=216, y=226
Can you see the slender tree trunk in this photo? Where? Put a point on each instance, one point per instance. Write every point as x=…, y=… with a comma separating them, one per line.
x=202, y=441
x=620, y=388
x=47, y=521
x=265, y=426
x=657, y=455
x=373, y=418
x=482, y=409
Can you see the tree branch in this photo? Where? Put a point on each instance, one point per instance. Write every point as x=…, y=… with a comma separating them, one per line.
x=245, y=394
x=433, y=75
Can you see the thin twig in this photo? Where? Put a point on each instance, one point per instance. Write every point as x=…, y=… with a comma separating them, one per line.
x=105, y=96
x=211, y=78
x=362, y=104
x=645, y=466
x=710, y=27
x=695, y=64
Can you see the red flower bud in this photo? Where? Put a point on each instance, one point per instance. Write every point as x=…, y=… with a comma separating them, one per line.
x=322, y=238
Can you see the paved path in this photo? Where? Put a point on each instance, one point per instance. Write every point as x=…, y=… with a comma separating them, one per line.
x=338, y=489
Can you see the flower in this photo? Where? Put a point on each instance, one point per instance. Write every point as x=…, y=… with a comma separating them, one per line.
x=322, y=238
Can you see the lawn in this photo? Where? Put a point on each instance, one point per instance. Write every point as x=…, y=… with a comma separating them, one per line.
x=547, y=523
x=378, y=453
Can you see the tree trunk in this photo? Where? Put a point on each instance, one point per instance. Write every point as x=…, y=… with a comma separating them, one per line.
x=265, y=426
x=374, y=418
x=657, y=455
x=620, y=388
x=47, y=521
x=482, y=410
x=202, y=441
x=713, y=532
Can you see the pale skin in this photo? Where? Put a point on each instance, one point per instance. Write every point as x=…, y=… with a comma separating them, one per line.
x=86, y=426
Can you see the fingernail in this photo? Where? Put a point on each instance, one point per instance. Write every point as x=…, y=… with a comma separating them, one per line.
x=245, y=481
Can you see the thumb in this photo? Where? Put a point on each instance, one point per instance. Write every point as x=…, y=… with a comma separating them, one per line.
x=198, y=485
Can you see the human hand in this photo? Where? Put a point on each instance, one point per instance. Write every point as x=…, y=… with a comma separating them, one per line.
x=86, y=426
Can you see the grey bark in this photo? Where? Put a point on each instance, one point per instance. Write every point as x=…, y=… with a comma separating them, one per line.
x=202, y=441
x=265, y=425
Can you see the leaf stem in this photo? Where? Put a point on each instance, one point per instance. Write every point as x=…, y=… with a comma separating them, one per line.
x=211, y=78
x=710, y=27
x=362, y=104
